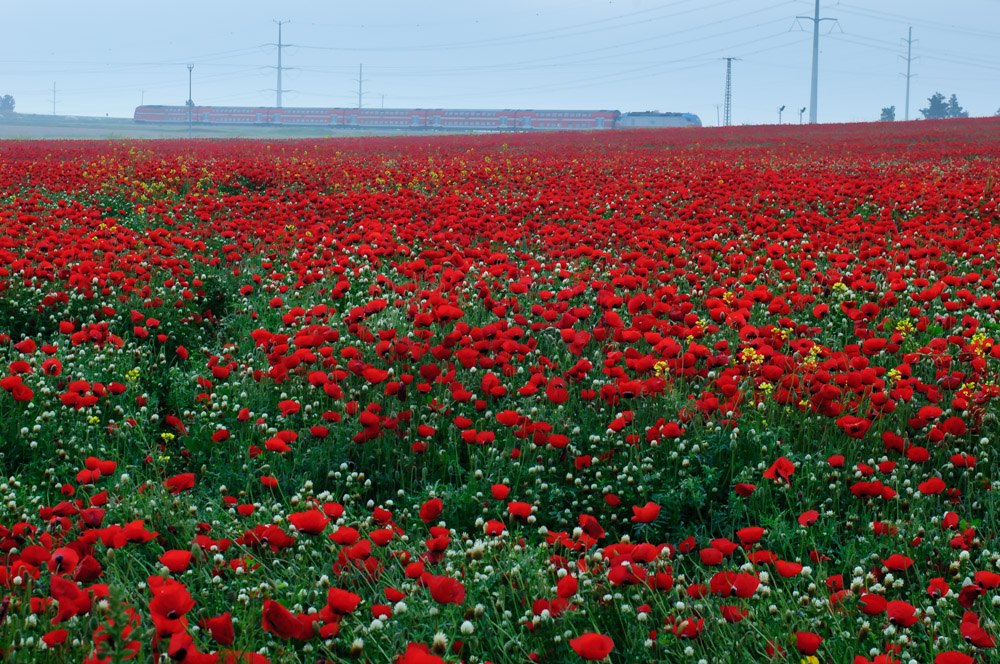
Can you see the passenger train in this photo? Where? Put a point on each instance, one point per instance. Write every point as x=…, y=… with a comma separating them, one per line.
x=408, y=118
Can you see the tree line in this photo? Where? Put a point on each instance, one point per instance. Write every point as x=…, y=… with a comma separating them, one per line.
x=938, y=108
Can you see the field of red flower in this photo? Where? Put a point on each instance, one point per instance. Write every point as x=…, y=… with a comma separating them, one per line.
x=696, y=396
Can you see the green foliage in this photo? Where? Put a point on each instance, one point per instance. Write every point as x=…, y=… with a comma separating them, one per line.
x=939, y=109
x=955, y=110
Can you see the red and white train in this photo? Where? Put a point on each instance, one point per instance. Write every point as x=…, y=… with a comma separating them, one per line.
x=400, y=118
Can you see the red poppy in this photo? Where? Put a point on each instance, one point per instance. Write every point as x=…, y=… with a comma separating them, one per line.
x=898, y=563
x=132, y=533
x=808, y=518
x=782, y=469
x=289, y=407
x=494, y=528
x=445, y=590
x=284, y=624
x=311, y=522
x=418, y=654
x=179, y=483
x=72, y=601
x=873, y=605
x=519, y=510
x=932, y=486
x=176, y=560
x=567, y=587
x=953, y=657
x=733, y=614
x=807, y=643
x=171, y=602
x=592, y=646
x=62, y=561
x=901, y=613
x=220, y=628
x=726, y=584
x=750, y=535
x=646, y=514
x=431, y=510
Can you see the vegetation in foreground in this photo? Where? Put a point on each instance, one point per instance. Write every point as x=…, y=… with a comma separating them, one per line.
x=715, y=396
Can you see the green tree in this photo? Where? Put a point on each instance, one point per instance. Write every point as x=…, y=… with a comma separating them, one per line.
x=888, y=114
x=7, y=104
x=937, y=107
x=955, y=110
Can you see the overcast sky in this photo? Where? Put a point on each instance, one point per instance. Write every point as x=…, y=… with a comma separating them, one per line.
x=106, y=57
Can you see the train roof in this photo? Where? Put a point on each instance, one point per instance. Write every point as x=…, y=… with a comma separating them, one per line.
x=343, y=108
x=655, y=114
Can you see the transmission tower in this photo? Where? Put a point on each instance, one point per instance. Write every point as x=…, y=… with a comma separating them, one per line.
x=814, y=92
x=727, y=115
x=360, y=69
x=190, y=102
x=909, y=61
x=278, y=90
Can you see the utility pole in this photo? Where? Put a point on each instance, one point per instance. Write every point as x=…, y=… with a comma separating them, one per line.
x=280, y=46
x=728, y=113
x=909, y=60
x=53, y=98
x=814, y=92
x=190, y=102
x=360, y=69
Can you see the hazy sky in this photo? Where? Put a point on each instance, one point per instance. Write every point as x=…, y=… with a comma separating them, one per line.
x=105, y=57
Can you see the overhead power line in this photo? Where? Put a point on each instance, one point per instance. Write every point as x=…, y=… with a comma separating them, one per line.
x=525, y=38
x=896, y=18
x=639, y=73
x=545, y=62
x=926, y=54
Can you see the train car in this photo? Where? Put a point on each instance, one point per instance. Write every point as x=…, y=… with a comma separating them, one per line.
x=562, y=120
x=164, y=114
x=657, y=119
x=386, y=118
